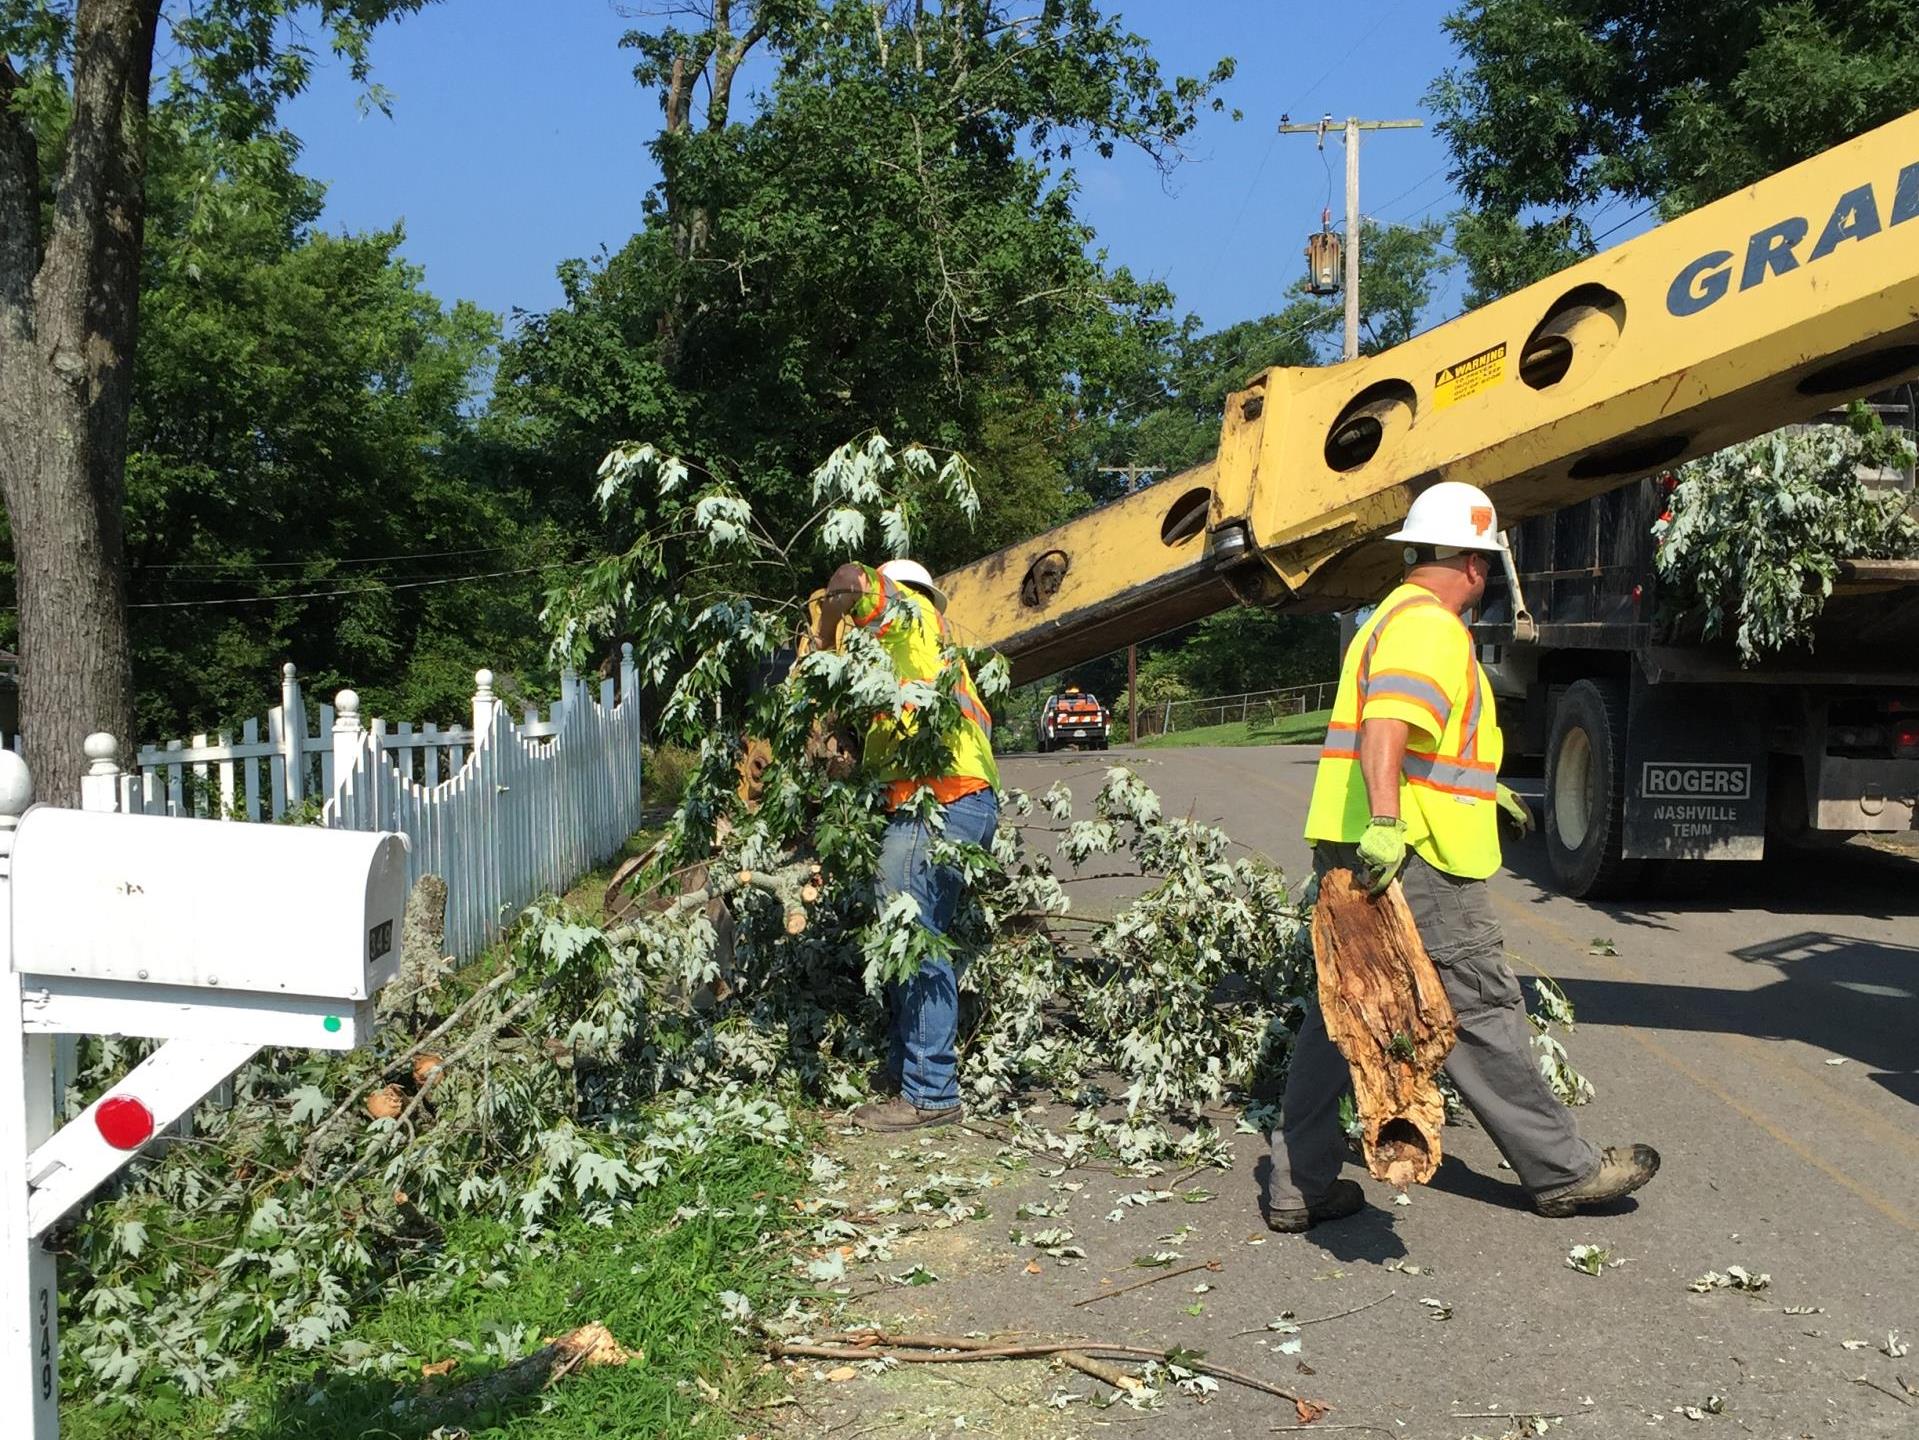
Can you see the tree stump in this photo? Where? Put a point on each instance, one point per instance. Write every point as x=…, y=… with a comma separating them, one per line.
x=1386, y=1009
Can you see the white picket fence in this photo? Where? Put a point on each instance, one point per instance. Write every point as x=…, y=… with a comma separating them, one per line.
x=504, y=812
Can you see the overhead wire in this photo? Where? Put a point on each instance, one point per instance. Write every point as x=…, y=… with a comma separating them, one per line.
x=325, y=560
x=1415, y=186
x=1252, y=186
x=301, y=595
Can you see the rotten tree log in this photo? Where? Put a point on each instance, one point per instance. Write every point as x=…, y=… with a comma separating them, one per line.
x=1386, y=1009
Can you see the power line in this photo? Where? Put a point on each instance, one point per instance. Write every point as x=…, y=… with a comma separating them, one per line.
x=1252, y=187
x=330, y=594
x=1386, y=224
x=1638, y=215
x=1415, y=186
x=325, y=560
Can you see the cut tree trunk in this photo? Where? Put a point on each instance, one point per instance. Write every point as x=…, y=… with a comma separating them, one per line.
x=1386, y=1009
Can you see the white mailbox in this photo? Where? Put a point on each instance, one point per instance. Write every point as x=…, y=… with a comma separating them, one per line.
x=158, y=900
x=214, y=937
x=203, y=929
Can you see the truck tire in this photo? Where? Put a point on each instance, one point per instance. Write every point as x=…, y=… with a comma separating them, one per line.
x=1586, y=791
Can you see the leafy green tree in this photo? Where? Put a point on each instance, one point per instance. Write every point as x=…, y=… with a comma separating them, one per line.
x=299, y=418
x=888, y=241
x=1563, y=106
x=78, y=107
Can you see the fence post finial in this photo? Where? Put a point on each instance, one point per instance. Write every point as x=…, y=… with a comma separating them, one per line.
x=483, y=703
x=293, y=734
x=103, y=753
x=100, y=786
x=346, y=711
x=16, y=789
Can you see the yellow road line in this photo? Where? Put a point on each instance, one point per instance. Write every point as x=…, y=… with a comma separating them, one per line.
x=1891, y=1211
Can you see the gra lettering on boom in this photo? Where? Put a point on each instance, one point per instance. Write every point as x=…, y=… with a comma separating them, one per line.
x=1856, y=215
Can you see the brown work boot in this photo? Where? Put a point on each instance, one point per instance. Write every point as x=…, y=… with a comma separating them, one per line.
x=900, y=1113
x=1622, y=1169
x=1342, y=1198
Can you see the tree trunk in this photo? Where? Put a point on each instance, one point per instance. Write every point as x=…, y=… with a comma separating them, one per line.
x=1387, y=1011
x=66, y=386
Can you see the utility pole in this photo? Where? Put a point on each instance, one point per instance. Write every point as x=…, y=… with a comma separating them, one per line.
x=1350, y=349
x=1132, y=694
x=1132, y=473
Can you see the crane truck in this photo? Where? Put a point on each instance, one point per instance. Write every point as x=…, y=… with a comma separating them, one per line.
x=1761, y=309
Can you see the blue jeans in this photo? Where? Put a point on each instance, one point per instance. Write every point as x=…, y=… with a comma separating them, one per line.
x=923, y=1012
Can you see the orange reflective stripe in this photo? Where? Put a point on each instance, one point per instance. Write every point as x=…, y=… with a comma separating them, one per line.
x=1451, y=773
x=1372, y=640
x=976, y=712
x=864, y=615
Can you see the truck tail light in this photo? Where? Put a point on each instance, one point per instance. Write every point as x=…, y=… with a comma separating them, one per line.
x=1905, y=740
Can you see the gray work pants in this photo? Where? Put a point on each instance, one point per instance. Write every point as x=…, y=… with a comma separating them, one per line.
x=1492, y=1065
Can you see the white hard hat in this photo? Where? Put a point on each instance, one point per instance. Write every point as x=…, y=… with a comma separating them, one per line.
x=1454, y=516
x=911, y=572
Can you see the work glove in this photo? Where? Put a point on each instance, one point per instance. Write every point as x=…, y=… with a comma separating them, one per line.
x=1382, y=853
x=1516, y=811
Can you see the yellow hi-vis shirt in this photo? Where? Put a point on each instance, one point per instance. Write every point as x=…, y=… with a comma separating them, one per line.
x=1413, y=660
x=913, y=632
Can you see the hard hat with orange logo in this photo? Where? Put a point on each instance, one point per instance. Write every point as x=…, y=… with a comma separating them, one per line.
x=1452, y=516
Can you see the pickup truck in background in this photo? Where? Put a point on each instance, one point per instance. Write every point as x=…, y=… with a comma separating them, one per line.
x=1072, y=717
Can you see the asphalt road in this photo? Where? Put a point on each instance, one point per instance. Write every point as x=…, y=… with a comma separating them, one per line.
x=1764, y=1037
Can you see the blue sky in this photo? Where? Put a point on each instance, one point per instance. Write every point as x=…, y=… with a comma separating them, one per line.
x=518, y=140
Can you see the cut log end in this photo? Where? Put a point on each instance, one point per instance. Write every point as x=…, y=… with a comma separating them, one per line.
x=1386, y=1009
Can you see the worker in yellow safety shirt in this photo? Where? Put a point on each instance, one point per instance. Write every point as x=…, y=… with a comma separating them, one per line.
x=1407, y=789
x=899, y=605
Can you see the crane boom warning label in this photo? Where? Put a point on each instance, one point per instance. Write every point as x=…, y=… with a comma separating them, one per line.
x=1469, y=377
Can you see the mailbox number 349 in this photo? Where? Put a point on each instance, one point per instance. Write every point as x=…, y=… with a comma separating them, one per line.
x=44, y=1317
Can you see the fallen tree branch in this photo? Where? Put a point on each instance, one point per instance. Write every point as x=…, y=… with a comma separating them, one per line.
x=1213, y=1264
x=486, y=1033
x=310, y=1152
x=919, y=1350
x=788, y=884
x=1882, y=1389
x=586, y=1348
x=1318, y=1319
x=1121, y=1380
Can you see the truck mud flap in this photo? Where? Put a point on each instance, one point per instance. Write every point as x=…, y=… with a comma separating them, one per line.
x=1695, y=774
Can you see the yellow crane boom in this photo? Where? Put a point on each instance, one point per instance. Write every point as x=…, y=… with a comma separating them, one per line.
x=1760, y=309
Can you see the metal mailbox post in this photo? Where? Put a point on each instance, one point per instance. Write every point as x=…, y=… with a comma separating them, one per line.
x=110, y=929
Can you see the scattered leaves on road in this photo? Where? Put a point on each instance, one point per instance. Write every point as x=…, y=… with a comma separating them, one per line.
x=1439, y=1309
x=1588, y=1259
x=1895, y=1348
x=1738, y=1277
x=1602, y=945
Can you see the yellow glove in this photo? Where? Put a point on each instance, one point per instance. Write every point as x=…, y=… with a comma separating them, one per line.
x=1516, y=811
x=1382, y=853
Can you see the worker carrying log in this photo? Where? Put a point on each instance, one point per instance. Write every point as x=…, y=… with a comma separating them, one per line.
x=900, y=606
x=1407, y=789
